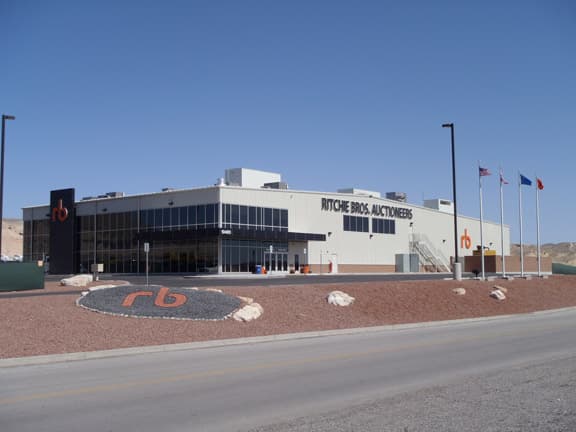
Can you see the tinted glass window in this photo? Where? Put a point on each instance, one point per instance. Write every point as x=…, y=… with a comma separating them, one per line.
x=175, y=216
x=259, y=212
x=267, y=216
x=158, y=218
x=244, y=215
x=166, y=217
x=210, y=214
x=201, y=215
x=192, y=215
x=183, y=216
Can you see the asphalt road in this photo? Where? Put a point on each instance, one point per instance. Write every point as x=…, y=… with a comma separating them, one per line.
x=175, y=281
x=502, y=374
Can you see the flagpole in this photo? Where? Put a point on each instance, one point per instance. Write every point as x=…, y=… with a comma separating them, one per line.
x=520, y=213
x=538, y=227
x=502, y=224
x=481, y=222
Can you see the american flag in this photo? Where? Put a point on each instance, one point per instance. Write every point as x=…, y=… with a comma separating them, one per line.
x=484, y=172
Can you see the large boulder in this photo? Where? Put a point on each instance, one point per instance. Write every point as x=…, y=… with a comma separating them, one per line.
x=77, y=281
x=498, y=295
x=249, y=312
x=340, y=298
x=501, y=288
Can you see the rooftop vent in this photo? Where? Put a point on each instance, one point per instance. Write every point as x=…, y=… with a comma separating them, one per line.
x=442, y=205
x=396, y=196
x=276, y=185
x=168, y=189
x=115, y=194
x=362, y=192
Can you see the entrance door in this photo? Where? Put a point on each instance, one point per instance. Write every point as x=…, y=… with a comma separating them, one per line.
x=267, y=261
x=276, y=261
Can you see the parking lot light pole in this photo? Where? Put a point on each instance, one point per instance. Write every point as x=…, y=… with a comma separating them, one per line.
x=457, y=268
x=4, y=118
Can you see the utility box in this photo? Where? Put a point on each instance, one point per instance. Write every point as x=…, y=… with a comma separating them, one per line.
x=97, y=268
x=17, y=276
x=407, y=263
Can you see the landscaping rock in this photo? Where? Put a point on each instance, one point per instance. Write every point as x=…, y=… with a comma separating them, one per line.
x=340, y=298
x=501, y=288
x=249, y=312
x=246, y=300
x=77, y=281
x=498, y=295
x=459, y=291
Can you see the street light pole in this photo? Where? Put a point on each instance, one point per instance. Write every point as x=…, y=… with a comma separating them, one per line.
x=457, y=268
x=4, y=118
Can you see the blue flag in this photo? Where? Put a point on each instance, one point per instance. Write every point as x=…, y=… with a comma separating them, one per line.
x=525, y=181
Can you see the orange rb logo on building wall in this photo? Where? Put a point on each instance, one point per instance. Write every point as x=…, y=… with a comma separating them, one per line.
x=465, y=240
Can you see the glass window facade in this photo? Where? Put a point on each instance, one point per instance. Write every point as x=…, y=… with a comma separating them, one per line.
x=383, y=226
x=113, y=239
x=254, y=218
x=180, y=218
x=36, y=240
x=356, y=223
x=245, y=255
x=182, y=256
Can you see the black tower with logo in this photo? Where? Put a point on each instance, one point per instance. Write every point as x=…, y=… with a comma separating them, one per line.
x=62, y=216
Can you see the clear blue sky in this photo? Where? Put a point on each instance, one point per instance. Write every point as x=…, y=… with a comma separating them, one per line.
x=135, y=96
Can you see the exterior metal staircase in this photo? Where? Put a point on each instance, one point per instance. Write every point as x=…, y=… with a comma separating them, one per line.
x=430, y=257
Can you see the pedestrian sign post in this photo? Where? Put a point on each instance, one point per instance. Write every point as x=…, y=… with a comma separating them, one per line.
x=146, y=251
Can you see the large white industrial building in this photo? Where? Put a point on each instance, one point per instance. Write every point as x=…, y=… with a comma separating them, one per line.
x=248, y=220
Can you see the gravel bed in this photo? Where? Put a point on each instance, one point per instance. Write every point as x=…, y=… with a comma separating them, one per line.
x=197, y=304
x=49, y=321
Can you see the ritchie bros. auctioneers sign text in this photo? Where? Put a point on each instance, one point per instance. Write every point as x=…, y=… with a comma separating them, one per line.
x=363, y=208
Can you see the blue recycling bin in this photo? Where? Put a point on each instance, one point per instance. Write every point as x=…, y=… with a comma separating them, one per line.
x=258, y=269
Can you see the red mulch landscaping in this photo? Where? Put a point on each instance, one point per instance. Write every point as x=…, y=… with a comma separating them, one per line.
x=49, y=322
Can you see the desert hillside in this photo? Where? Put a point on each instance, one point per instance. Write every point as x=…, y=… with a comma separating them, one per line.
x=564, y=253
x=12, y=231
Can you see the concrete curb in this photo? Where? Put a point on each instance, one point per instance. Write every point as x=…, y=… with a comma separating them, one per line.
x=60, y=358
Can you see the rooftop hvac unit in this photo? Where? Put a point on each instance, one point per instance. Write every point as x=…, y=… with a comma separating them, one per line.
x=276, y=185
x=396, y=196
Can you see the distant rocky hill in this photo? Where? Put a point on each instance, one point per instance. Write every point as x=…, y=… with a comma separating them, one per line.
x=565, y=253
x=12, y=238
